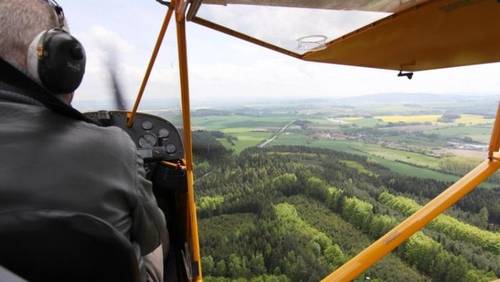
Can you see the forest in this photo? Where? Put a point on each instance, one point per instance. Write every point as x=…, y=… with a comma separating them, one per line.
x=294, y=213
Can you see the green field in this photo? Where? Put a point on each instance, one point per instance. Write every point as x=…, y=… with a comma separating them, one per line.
x=357, y=147
x=292, y=139
x=247, y=137
x=402, y=156
x=240, y=121
x=392, y=159
x=249, y=130
x=410, y=170
x=395, y=160
x=392, y=164
x=477, y=133
x=367, y=122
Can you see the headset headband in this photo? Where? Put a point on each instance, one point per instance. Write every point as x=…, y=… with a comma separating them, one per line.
x=59, y=13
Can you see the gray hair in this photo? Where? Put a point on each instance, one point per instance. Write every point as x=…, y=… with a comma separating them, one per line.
x=20, y=22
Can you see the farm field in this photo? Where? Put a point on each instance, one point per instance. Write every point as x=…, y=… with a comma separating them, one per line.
x=364, y=121
x=464, y=120
x=409, y=118
x=469, y=119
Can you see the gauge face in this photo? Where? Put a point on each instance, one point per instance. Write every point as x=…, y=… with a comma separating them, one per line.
x=171, y=148
x=164, y=133
x=147, y=125
x=147, y=141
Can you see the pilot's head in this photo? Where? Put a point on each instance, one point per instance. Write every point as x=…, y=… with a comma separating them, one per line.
x=35, y=39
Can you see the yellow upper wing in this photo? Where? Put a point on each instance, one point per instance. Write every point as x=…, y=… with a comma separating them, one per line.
x=436, y=34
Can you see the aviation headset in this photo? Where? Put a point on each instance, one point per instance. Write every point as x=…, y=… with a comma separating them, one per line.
x=56, y=60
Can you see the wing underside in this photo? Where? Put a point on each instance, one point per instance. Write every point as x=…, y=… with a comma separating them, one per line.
x=410, y=35
x=362, y=5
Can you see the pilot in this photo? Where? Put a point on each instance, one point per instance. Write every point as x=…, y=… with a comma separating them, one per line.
x=51, y=157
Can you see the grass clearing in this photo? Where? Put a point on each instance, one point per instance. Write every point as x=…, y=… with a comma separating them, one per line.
x=357, y=166
x=246, y=138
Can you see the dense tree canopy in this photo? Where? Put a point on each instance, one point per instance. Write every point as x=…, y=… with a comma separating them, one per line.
x=296, y=214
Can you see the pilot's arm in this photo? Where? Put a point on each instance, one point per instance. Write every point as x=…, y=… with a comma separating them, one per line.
x=148, y=226
x=125, y=197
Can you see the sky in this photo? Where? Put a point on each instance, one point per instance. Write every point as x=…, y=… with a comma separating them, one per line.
x=223, y=69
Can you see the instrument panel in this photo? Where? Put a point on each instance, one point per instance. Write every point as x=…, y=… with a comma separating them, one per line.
x=156, y=139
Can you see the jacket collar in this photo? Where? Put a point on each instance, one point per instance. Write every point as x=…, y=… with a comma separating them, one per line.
x=14, y=81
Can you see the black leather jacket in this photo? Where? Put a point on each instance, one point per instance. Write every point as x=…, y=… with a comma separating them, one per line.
x=51, y=161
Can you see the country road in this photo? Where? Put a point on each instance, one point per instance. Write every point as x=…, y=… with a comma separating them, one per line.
x=262, y=145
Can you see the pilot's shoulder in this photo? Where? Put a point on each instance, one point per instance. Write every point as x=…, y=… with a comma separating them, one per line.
x=105, y=139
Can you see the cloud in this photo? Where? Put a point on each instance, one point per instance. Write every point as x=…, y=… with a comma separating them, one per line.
x=103, y=45
x=226, y=69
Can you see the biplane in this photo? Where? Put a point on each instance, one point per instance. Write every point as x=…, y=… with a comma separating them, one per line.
x=405, y=36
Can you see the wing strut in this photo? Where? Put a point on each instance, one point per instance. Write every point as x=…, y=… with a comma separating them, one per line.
x=180, y=17
x=179, y=7
x=243, y=36
x=152, y=61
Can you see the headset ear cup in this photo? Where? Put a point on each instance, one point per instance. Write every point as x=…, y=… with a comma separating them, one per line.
x=62, y=65
x=33, y=57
